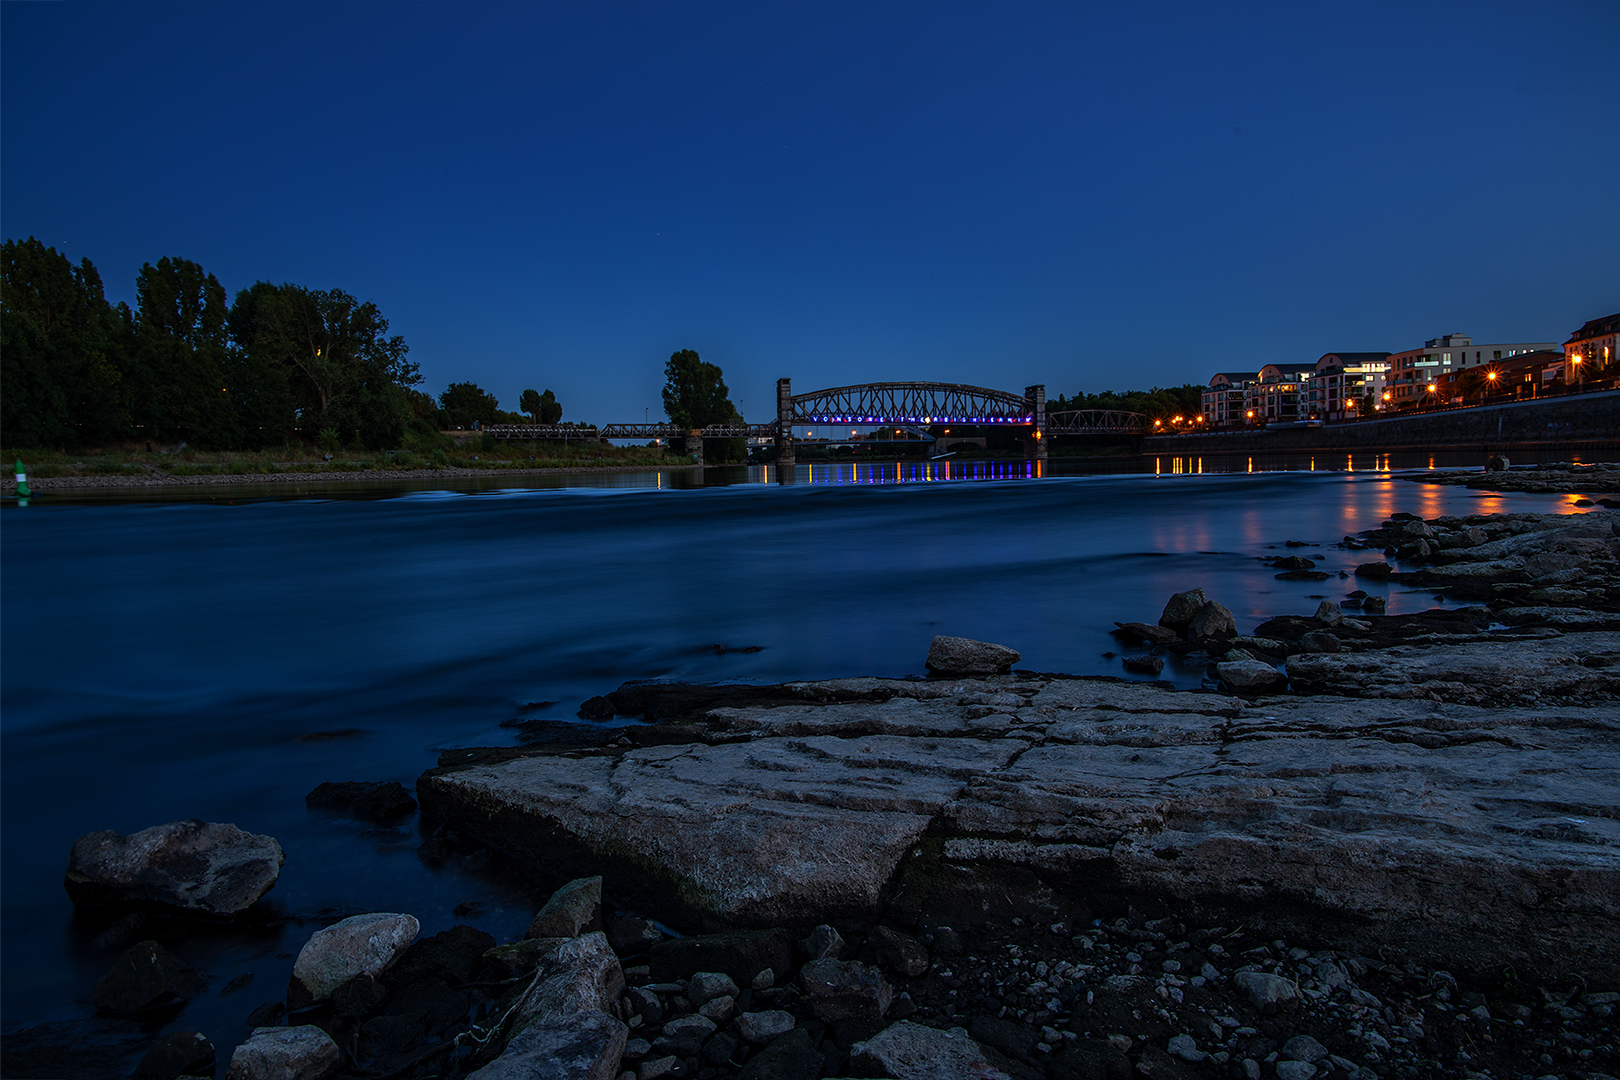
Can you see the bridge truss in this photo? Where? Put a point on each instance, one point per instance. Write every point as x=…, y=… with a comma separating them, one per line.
x=912, y=403
x=1096, y=422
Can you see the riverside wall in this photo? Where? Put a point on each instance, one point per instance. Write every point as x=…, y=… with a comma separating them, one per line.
x=1587, y=422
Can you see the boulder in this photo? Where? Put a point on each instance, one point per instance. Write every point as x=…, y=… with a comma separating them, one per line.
x=589, y=1046
x=1266, y=991
x=1144, y=665
x=684, y=1035
x=823, y=942
x=907, y=1051
x=374, y=801
x=1136, y=633
x=845, y=990
x=1319, y=641
x=1181, y=609
x=705, y=986
x=955, y=656
x=762, y=1027
x=359, y=945
x=899, y=953
x=1377, y=571
x=146, y=977
x=1293, y=562
x=291, y=1053
x=179, y=1053
x=192, y=868
x=454, y=955
x=792, y=1057
x=631, y=935
x=1329, y=613
x=572, y=910
x=1212, y=621
x=1251, y=677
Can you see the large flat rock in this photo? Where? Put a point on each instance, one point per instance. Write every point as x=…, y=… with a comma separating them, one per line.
x=1470, y=836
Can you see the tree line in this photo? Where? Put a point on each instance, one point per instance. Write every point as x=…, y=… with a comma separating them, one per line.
x=278, y=364
x=1159, y=403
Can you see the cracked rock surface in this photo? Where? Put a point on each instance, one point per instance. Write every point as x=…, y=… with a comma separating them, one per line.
x=1472, y=835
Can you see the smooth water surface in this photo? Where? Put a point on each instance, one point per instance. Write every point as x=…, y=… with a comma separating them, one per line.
x=171, y=660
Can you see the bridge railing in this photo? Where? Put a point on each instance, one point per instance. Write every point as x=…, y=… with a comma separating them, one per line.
x=1096, y=422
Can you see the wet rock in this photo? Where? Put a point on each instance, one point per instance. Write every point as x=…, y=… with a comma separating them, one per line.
x=1181, y=608
x=292, y=1053
x=684, y=1035
x=180, y=1053
x=1014, y=1040
x=1293, y=562
x=1295, y=1070
x=562, y=1025
x=1376, y=571
x=740, y=954
x=265, y=1015
x=823, y=942
x=571, y=911
x=1328, y=613
x=762, y=1027
x=631, y=936
x=187, y=867
x=362, y=944
x=1463, y=673
x=951, y=656
x=454, y=955
x=1304, y=1048
x=1268, y=992
x=899, y=953
x=1320, y=641
x=845, y=990
x=705, y=986
x=146, y=977
x=1251, y=677
x=360, y=996
x=1144, y=665
x=379, y=801
x=1213, y=620
x=791, y=1057
x=719, y=1009
x=1136, y=633
x=907, y=1051
x=1185, y=1047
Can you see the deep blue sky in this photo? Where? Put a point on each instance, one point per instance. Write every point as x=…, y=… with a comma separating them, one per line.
x=1093, y=197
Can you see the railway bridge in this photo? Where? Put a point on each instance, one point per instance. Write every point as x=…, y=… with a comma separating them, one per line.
x=925, y=405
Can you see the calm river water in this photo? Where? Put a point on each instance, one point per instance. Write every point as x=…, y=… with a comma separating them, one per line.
x=163, y=659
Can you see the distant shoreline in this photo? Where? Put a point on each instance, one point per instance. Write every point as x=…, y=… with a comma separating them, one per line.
x=344, y=476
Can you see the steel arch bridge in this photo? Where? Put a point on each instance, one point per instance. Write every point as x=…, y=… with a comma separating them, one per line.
x=912, y=403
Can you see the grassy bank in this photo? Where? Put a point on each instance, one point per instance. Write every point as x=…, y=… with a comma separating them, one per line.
x=479, y=455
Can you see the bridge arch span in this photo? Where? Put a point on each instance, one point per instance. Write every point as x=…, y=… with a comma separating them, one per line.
x=909, y=403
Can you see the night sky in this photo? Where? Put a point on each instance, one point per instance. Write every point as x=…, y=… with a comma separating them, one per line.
x=1090, y=196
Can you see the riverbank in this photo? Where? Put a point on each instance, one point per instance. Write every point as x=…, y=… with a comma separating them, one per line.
x=333, y=474
x=1552, y=478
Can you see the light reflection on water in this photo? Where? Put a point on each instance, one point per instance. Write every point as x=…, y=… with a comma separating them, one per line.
x=162, y=659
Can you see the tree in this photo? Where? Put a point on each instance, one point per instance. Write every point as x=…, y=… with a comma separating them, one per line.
x=542, y=407
x=467, y=403
x=695, y=394
x=63, y=351
x=342, y=369
x=180, y=386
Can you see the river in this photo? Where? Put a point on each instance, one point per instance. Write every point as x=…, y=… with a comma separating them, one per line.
x=173, y=659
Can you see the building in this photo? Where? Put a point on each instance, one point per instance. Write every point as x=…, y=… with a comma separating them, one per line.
x=1341, y=383
x=1275, y=396
x=1227, y=398
x=1593, y=349
x=1522, y=375
x=1416, y=374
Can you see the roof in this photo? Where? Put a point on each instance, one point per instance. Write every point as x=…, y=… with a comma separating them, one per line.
x=1594, y=327
x=1357, y=357
x=1234, y=376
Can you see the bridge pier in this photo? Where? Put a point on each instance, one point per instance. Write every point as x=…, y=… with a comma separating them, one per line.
x=784, y=422
x=1035, y=445
x=694, y=444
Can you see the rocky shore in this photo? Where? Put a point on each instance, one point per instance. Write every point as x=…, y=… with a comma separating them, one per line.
x=1371, y=846
x=1552, y=478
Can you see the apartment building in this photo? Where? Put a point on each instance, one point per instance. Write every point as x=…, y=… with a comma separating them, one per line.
x=1274, y=398
x=1341, y=383
x=1416, y=374
x=1226, y=399
x=1594, y=346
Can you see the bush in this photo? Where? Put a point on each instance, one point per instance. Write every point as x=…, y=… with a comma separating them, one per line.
x=439, y=459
